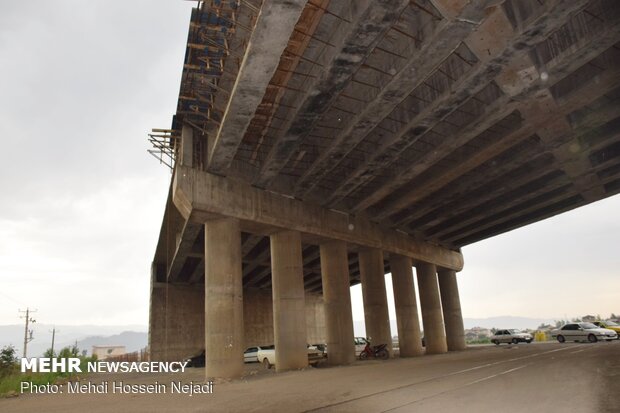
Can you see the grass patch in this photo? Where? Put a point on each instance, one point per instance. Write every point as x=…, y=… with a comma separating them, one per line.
x=11, y=384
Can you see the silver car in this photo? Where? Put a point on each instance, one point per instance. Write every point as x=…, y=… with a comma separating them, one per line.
x=511, y=336
x=583, y=332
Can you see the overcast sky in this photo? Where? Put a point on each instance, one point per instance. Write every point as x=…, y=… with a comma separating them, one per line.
x=82, y=202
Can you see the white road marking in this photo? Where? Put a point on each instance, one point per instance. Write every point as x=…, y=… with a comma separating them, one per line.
x=497, y=375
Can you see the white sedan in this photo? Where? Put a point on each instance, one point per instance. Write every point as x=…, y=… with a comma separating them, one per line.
x=583, y=332
x=511, y=336
x=250, y=354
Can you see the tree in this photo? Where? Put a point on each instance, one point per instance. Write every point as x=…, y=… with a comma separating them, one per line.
x=8, y=360
x=68, y=352
x=49, y=353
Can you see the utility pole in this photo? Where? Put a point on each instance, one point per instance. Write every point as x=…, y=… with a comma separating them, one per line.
x=53, y=337
x=27, y=333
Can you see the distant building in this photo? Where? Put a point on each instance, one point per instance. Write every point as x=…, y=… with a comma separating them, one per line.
x=589, y=318
x=103, y=352
x=477, y=333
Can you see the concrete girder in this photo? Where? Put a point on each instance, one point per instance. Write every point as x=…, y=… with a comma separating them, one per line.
x=544, y=206
x=186, y=241
x=433, y=214
x=455, y=214
x=447, y=38
x=557, y=69
x=201, y=196
x=583, y=127
x=371, y=19
x=274, y=26
x=492, y=50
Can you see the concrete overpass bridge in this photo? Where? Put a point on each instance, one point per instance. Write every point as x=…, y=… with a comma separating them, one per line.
x=319, y=144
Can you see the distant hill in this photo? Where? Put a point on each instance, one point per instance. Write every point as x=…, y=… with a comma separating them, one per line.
x=490, y=322
x=133, y=337
x=506, y=322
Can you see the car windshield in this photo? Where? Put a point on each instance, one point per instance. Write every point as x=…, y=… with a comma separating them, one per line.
x=611, y=323
x=587, y=325
x=514, y=331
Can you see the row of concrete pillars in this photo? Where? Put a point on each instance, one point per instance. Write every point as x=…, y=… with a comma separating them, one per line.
x=224, y=302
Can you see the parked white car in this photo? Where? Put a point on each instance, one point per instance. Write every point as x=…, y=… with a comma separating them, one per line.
x=250, y=355
x=360, y=345
x=583, y=332
x=267, y=356
x=511, y=336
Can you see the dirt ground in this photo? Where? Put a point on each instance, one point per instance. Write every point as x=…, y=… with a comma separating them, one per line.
x=515, y=378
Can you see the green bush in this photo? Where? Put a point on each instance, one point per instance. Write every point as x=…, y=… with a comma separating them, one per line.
x=8, y=361
x=11, y=377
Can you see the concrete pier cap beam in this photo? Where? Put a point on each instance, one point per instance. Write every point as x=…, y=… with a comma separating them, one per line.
x=452, y=315
x=337, y=302
x=376, y=316
x=289, y=310
x=200, y=196
x=224, y=342
x=430, y=302
x=407, y=320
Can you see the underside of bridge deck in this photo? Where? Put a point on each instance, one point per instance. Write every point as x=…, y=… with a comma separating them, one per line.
x=448, y=121
x=370, y=133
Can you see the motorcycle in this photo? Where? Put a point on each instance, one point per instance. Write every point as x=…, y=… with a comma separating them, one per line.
x=379, y=351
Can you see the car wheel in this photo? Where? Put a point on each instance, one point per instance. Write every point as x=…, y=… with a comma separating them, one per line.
x=266, y=364
x=515, y=341
x=561, y=339
x=383, y=354
x=528, y=341
x=495, y=342
x=592, y=338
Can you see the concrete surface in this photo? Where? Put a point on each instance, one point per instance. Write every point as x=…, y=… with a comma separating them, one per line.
x=451, y=305
x=223, y=298
x=430, y=304
x=407, y=320
x=376, y=317
x=289, y=311
x=337, y=297
x=546, y=377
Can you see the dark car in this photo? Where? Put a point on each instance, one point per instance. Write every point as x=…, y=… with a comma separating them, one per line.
x=197, y=360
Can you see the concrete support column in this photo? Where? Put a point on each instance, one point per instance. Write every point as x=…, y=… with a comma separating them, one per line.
x=376, y=316
x=451, y=304
x=289, y=311
x=408, y=323
x=434, y=333
x=223, y=299
x=337, y=299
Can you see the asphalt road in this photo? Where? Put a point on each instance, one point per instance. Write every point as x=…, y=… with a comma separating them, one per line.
x=572, y=377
